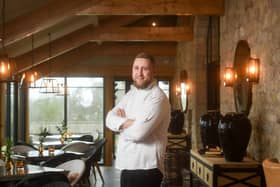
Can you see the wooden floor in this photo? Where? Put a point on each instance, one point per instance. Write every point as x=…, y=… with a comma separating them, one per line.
x=176, y=172
x=112, y=179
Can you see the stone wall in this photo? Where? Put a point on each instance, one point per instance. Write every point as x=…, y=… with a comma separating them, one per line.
x=191, y=56
x=257, y=22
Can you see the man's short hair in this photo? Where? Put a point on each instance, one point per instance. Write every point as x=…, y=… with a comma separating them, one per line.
x=146, y=56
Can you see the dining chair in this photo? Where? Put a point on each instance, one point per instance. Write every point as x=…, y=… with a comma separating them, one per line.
x=86, y=137
x=22, y=148
x=76, y=169
x=271, y=168
x=88, y=161
x=76, y=147
x=95, y=157
x=47, y=179
x=25, y=143
x=59, y=159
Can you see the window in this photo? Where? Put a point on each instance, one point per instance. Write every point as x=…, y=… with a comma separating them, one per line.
x=82, y=107
x=85, y=105
x=45, y=110
x=165, y=86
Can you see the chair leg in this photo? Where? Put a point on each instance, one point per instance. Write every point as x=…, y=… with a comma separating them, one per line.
x=99, y=171
x=94, y=174
x=85, y=182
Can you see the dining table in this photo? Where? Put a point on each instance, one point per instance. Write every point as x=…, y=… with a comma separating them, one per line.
x=11, y=177
x=35, y=157
x=58, y=144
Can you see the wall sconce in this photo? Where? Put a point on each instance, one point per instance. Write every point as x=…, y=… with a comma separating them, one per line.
x=183, y=90
x=178, y=90
x=253, y=70
x=184, y=83
x=229, y=76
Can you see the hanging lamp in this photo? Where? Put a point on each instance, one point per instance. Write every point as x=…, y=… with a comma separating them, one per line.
x=31, y=76
x=5, y=65
x=49, y=85
x=62, y=89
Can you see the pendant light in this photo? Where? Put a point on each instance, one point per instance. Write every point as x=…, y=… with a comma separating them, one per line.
x=49, y=85
x=62, y=89
x=5, y=66
x=31, y=76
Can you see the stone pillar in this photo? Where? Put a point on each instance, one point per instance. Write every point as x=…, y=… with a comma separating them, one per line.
x=191, y=56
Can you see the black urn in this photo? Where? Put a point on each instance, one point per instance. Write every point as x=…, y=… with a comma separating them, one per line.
x=234, y=134
x=209, y=129
x=177, y=122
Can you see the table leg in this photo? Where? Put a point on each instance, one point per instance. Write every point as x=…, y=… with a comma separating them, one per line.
x=191, y=179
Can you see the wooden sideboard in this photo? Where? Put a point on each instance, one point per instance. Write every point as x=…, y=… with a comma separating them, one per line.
x=214, y=171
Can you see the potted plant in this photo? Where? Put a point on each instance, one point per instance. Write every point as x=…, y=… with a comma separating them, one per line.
x=62, y=131
x=42, y=136
x=6, y=151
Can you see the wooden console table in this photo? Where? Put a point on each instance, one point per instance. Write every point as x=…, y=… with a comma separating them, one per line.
x=214, y=171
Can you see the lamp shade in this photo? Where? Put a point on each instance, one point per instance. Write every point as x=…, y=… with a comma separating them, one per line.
x=5, y=68
x=253, y=70
x=229, y=77
x=49, y=86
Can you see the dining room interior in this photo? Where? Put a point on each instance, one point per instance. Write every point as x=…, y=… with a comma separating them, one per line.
x=65, y=64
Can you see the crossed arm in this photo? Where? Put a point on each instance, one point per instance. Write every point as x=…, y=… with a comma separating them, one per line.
x=144, y=122
x=121, y=113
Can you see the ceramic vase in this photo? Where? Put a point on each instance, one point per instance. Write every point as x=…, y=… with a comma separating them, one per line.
x=234, y=134
x=177, y=122
x=209, y=129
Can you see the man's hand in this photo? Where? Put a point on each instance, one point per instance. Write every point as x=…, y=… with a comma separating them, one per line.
x=121, y=112
x=126, y=124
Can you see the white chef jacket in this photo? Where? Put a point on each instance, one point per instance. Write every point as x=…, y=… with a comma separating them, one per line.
x=142, y=145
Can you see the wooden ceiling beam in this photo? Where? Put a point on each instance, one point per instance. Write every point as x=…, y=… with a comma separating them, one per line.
x=147, y=34
x=78, y=61
x=156, y=7
x=103, y=70
x=69, y=42
x=89, y=33
x=46, y=16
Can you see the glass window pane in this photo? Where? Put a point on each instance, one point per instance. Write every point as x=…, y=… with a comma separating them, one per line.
x=85, y=82
x=164, y=85
x=85, y=105
x=45, y=110
x=119, y=90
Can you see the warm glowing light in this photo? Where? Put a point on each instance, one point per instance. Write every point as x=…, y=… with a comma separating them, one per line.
x=23, y=76
x=154, y=24
x=188, y=88
x=3, y=68
x=229, y=76
x=185, y=88
x=178, y=90
x=32, y=78
x=252, y=70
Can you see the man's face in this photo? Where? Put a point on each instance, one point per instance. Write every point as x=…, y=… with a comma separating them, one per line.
x=142, y=73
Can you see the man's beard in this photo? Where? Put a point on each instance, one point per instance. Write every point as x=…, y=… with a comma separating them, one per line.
x=142, y=86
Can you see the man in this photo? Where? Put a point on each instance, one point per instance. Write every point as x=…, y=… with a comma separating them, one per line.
x=142, y=118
